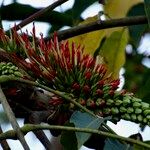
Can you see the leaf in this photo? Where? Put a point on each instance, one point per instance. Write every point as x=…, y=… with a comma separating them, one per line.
x=90, y=41
x=111, y=144
x=136, y=31
x=84, y=120
x=119, y=8
x=147, y=10
x=68, y=139
x=113, y=52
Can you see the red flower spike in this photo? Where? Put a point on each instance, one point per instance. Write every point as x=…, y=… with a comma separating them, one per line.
x=67, y=69
x=123, y=92
x=3, y=37
x=111, y=93
x=103, y=103
x=82, y=102
x=86, y=89
x=114, y=84
x=99, y=92
x=55, y=43
x=88, y=75
x=33, y=31
x=76, y=86
x=78, y=57
x=91, y=103
x=100, y=84
x=73, y=54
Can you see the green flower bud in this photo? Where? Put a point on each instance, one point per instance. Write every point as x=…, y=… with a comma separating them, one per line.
x=126, y=117
x=123, y=109
x=106, y=111
x=147, y=112
x=109, y=102
x=116, y=94
x=100, y=102
x=90, y=103
x=13, y=68
x=16, y=68
x=145, y=120
x=4, y=67
x=9, y=64
x=7, y=67
x=138, y=111
x=136, y=104
x=130, y=110
x=4, y=72
x=18, y=74
x=148, y=117
x=99, y=113
x=114, y=111
x=140, y=118
x=145, y=105
x=133, y=117
x=10, y=71
x=134, y=99
x=118, y=102
x=106, y=88
x=2, y=64
x=126, y=101
x=126, y=96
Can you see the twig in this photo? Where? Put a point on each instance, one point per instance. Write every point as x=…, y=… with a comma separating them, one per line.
x=12, y=119
x=11, y=134
x=37, y=117
x=98, y=25
x=39, y=13
x=10, y=78
x=4, y=143
x=5, y=78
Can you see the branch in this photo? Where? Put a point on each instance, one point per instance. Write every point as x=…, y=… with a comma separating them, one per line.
x=99, y=25
x=12, y=119
x=4, y=143
x=5, y=78
x=29, y=127
x=38, y=14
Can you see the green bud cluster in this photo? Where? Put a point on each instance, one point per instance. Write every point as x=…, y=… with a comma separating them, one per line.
x=126, y=107
x=9, y=69
x=105, y=101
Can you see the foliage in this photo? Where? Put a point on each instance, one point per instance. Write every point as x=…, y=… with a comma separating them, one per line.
x=80, y=73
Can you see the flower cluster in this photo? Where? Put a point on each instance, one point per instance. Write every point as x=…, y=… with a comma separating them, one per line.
x=65, y=67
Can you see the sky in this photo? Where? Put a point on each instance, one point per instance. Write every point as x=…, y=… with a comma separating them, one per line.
x=123, y=128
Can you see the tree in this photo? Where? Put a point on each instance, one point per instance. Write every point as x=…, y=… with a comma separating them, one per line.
x=78, y=72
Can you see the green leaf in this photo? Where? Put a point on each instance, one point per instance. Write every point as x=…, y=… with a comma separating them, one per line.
x=119, y=8
x=137, y=31
x=84, y=120
x=86, y=39
x=113, y=52
x=147, y=10
x=68, y=139
x=111, y=144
